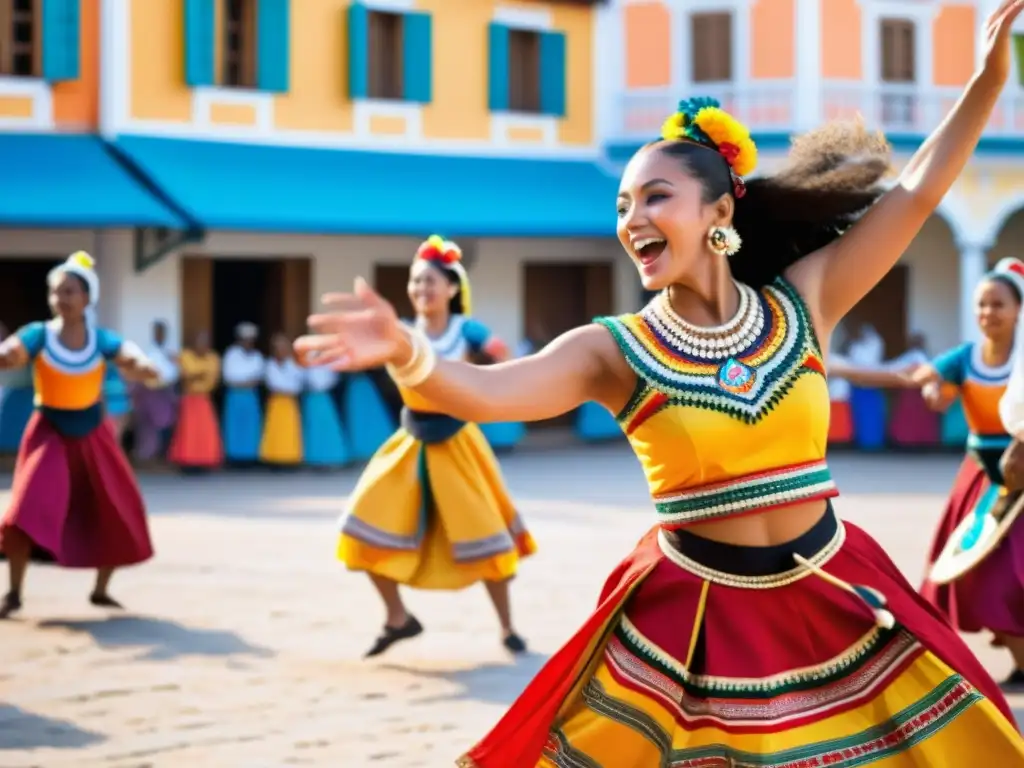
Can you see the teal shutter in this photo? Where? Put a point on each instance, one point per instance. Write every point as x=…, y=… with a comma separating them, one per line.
x=497, y=73
x=552, y=73
x=417, y=58
x=61, y=39
x=358, y=51
x=273, y=45
x=199, y=42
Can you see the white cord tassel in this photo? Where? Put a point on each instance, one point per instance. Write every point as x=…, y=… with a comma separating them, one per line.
x=874, y=599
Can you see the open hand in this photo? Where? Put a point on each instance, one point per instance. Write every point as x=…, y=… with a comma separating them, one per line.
x=997, y=54
x=357, y=331
x=937, y=397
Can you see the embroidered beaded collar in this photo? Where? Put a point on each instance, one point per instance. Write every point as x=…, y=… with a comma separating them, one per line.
x=742, y=368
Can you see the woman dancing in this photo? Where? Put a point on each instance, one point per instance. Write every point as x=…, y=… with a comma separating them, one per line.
x=73, y=495
x=431, y=510
x=977, y=590
x=752, y=626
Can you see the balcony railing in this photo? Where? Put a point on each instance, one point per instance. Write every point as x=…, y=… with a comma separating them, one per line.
x=772, y=107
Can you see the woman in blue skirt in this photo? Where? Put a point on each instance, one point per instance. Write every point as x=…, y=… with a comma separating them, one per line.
x=242, y=370
x=323, y=437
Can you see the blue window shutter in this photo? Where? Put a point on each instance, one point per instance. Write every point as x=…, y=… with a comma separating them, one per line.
x=199, y=42
x=61, y=39
x=273, y=45
x=552, y=73
x=417, y=58
x=497, y=76
x=358, y=51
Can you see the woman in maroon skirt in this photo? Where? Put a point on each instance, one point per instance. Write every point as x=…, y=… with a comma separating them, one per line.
x=990, y=595
x=74, y=496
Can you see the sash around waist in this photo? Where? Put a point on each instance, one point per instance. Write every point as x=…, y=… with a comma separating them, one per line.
x=430, y=428
x=758, y=492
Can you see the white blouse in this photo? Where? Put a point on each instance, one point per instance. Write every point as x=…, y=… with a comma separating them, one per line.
x=321, y=378
x=284, y=378
x=241, y=366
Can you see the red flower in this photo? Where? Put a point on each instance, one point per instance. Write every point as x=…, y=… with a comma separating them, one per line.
x=729, y=151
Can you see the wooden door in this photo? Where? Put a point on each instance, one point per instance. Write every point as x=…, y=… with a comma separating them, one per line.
x=195, y=276
x=885, y=308
x=296, y=294
x=392, y=282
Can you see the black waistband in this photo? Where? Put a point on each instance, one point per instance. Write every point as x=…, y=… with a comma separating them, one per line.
x=756, y=561
x=430, y=428
x=73, y=423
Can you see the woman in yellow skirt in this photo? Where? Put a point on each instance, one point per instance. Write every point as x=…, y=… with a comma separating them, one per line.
x=282, y=431
x=431, y=510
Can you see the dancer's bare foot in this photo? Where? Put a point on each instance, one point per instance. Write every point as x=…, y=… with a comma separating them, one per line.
x=104, y=600
x=10, y=604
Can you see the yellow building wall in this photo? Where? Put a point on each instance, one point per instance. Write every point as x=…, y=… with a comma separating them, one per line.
x=318, y=97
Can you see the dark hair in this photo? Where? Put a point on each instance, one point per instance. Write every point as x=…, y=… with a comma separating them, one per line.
x=456, y=305
x=995, y=277
x=831, y=177
x=58, y=274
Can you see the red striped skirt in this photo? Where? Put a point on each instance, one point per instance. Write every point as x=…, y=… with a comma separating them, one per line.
x=76, y=498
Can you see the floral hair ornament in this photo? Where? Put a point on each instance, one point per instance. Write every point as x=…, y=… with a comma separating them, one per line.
x=703, y=121
x=447, y=255
x=83, y=266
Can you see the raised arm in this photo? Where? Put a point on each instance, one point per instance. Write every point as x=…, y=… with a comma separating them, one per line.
x=835, y=278
x=362, y=331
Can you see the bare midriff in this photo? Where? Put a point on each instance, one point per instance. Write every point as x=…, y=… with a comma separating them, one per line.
x=763, y=529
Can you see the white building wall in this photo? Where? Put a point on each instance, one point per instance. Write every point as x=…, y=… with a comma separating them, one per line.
x=131, y=301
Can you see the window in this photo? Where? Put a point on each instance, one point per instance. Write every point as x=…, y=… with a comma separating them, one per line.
x=20, y=38
x=238, y=51
x=711, y=47
x=523, y=71
x=898, y=67
x=386, y=43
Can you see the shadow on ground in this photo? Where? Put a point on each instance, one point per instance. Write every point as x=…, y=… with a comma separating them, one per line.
x=24, y=730
x=488, y=683
x=160, y=639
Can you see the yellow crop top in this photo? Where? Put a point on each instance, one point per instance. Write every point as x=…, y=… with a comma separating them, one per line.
x=723, y=433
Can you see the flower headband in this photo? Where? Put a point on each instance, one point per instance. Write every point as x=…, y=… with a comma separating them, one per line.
x=703, y=121
x=447, y=254
x=1012, y=270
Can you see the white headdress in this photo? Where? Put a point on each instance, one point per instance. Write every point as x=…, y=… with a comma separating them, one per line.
x=81, y=265
x=246, y=331
x=1012, y=270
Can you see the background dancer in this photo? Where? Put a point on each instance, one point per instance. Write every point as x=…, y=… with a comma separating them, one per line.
x=752, y=626
x=74, y=495
x=991, y=594
x=431, y=509
x=243, y=415
x=196, y=445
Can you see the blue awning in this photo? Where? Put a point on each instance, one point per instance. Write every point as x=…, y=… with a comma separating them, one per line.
x=248, y=187
x=64, y=180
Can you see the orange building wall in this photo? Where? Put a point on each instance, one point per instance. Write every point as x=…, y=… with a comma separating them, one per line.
x=647, y=29
x=954, y=40
x=773, y=39
x=76, y=103
x=840, y=40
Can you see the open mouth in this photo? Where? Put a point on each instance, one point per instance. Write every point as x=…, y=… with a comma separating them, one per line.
x=649, y=249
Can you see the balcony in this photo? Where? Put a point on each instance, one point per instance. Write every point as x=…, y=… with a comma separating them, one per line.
x=773, y=107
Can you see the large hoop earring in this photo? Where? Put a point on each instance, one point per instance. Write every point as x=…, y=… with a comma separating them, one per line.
x=724, y=241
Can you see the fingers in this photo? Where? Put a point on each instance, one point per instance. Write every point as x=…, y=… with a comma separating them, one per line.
x=342, y=302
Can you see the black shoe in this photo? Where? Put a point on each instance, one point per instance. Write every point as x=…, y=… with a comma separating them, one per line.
x=10, y=604
x=514, y=643
x=104, y=601
x=392, y=635
x=1014, y=683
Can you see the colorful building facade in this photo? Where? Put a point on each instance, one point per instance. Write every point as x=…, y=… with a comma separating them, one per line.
x=231, y=160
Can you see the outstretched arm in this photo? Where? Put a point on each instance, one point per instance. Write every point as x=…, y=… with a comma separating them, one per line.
x=362, y=331
x=12, y=353
x=870, y=378
x=835, y=278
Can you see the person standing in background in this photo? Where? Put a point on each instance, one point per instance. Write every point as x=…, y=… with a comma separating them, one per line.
x=867, y=404
x=197, y=445
x=323, y=436
x=243, y=416
x=156, y=402
x=281, y=444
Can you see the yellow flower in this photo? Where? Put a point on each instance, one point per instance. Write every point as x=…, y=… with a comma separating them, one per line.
x=82, y=259
x=437, y=242
x=674, y=127
x=723, y=128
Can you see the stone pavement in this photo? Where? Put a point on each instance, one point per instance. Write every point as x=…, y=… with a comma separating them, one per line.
x=241, y=648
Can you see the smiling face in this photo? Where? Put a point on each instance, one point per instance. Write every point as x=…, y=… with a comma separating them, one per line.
x=667, y=204
x=996, y=306
x=430, y=290
x=69, y=296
